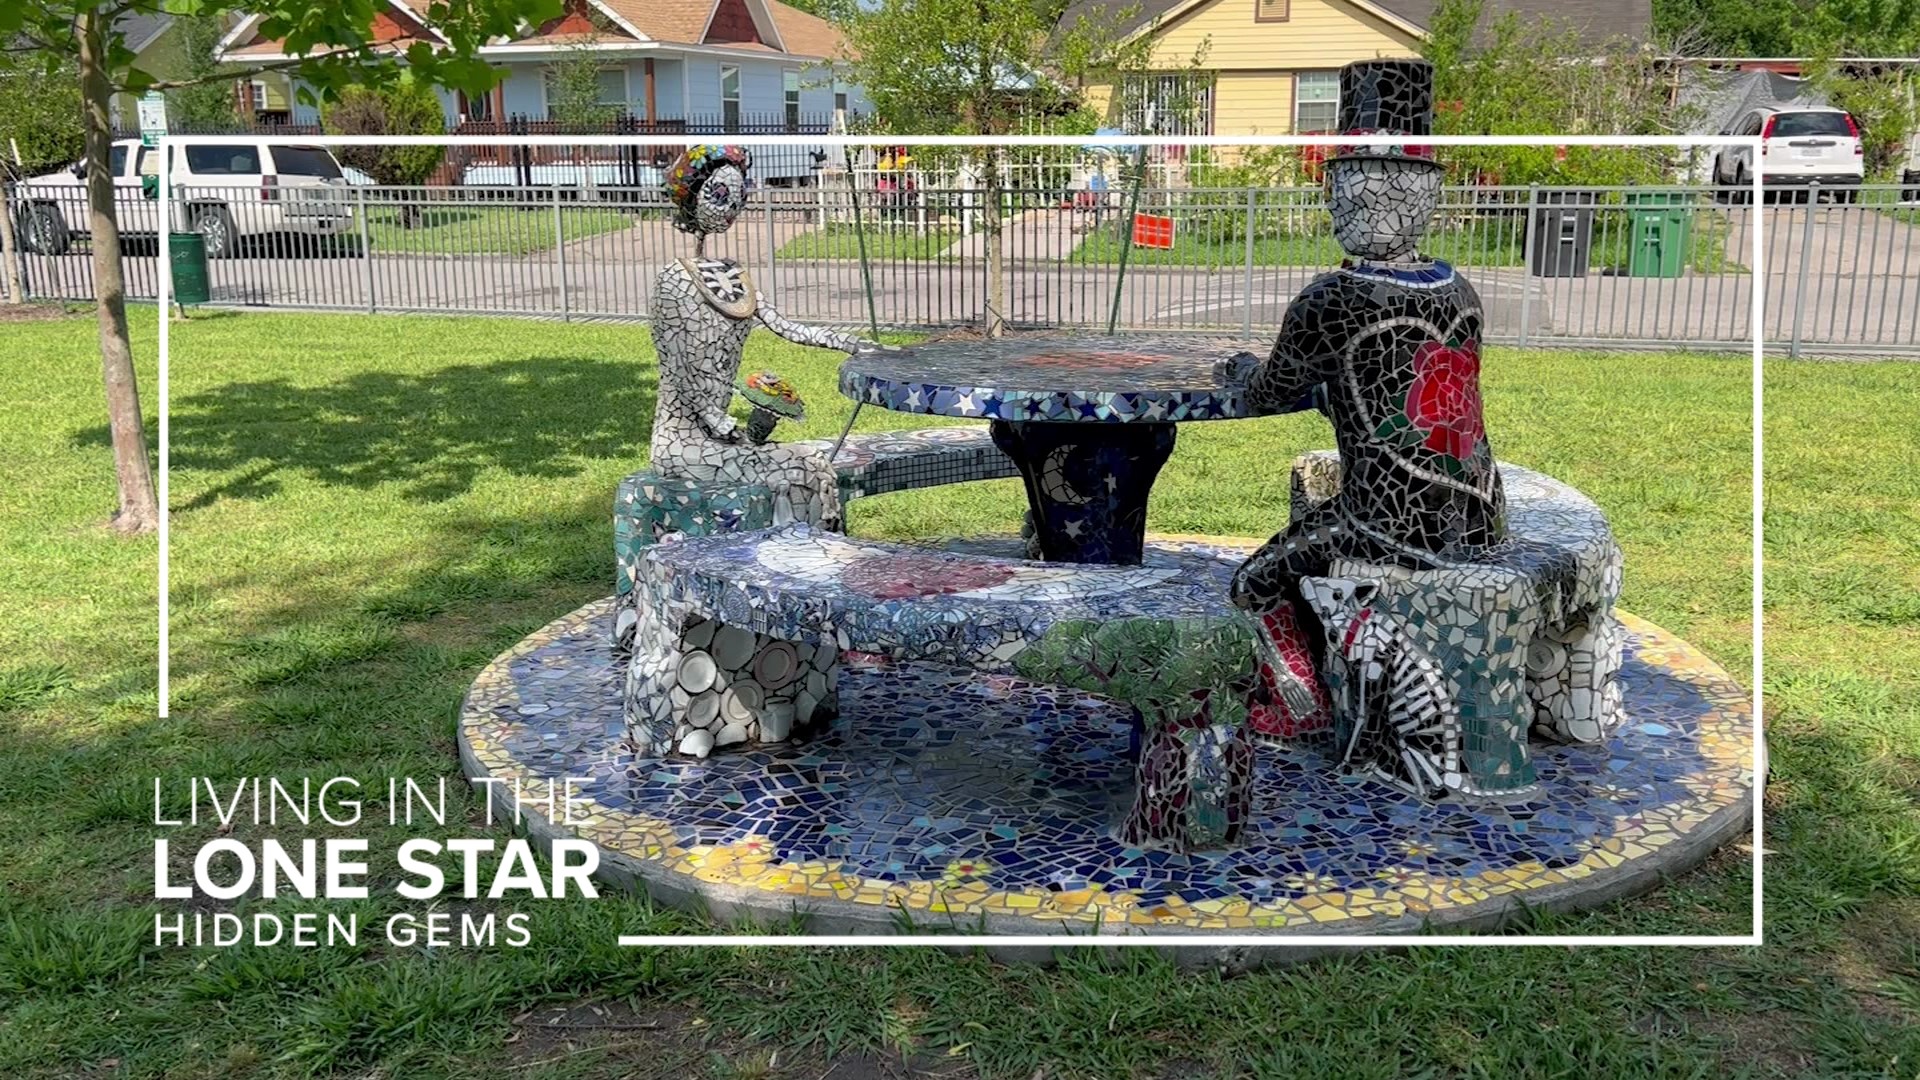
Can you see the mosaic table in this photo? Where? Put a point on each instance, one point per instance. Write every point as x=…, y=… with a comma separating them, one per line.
x=1087, y=419
x=951, y=801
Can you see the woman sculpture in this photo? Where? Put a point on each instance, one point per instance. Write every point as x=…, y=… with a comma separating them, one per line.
x=703, y=310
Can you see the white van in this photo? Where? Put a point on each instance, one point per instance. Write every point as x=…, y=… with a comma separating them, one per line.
x=227, y=192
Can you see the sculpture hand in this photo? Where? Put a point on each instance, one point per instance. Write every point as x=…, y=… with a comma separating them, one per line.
x=1236, y=370
x=722, y=427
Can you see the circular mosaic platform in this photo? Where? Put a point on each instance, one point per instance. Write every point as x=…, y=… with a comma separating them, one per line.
x=950, y=801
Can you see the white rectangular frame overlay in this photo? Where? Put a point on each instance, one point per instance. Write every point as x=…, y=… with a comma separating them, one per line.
x=1758, y=311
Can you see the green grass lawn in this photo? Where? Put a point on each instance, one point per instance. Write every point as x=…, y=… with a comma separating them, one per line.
x=1887, y=201
x=365, y=511
x=477, y=229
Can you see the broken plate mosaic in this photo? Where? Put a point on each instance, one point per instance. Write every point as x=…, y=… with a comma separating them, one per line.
x=943, y=799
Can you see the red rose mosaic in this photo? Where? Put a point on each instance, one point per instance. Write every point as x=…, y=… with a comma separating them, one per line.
x=1444, y=400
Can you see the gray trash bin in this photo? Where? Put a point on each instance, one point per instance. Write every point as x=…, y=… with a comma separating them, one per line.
x=1562, y=233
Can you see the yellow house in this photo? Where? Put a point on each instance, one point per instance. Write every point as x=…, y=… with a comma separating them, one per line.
x=1271, y=67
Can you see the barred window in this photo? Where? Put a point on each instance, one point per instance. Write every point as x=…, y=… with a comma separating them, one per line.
x=1179, y=103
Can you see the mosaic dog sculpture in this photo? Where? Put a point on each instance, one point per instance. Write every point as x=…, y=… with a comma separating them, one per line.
x=1427, y=671
x=1560, y=542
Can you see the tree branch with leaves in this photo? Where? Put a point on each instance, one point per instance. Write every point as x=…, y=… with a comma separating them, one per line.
x=330, y=45
x=978, y=67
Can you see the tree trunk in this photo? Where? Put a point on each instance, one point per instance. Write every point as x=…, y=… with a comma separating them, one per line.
x=9, y=246
x=139, y=511
x=996, y=257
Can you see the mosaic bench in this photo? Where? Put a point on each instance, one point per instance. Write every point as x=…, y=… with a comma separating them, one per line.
x=647, y=507
x=1522, y=640
x=798, y=585
x=740, y=639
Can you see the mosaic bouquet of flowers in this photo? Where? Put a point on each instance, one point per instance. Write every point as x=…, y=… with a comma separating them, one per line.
x=773, y=399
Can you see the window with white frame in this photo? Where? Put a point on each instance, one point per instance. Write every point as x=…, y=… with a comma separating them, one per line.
x=730, y=98
x=790, y=87
x=257, y=95
x=1316, y=101
x=1168, y=104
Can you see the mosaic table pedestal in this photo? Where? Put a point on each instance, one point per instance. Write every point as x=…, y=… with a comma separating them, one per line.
x=1087, y=485
x=951, y=802
x=1088, y=419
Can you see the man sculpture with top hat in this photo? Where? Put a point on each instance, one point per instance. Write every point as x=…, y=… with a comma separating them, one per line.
x=1388, y=345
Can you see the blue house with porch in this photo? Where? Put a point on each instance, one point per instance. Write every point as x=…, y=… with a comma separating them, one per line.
x=670, y=66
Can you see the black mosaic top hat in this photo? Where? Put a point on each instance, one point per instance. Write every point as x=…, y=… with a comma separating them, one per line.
x=1386, y=97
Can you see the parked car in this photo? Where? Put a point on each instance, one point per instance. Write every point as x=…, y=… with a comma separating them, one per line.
x=1797, y=147
x=228, y=192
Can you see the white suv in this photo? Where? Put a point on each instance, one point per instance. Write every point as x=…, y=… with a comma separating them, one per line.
x=227, y=192
x=1797, y=146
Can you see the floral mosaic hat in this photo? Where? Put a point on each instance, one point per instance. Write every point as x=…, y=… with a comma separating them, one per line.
x=692, y=168
x=1386, y=97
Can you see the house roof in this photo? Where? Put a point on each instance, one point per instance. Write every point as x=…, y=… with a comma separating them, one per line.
x=807, y=34
x=1596, y=20
x=675, y=22
x=685, y=22
x=139, y=30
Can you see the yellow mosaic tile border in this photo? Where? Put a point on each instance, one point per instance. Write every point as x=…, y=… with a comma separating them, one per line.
x=965, y=891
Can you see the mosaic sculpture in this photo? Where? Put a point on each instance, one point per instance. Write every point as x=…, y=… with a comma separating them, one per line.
x=1402, y=581
x=1186, y=681
x=703, y=309
x=707, y=475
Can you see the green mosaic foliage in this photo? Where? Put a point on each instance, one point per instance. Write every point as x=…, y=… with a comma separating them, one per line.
x=1167, y=669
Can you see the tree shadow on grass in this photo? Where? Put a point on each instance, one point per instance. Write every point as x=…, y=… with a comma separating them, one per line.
x=433, y=433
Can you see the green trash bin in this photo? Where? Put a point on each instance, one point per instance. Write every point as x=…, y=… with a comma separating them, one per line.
x=1661, y=231
x=188, y=253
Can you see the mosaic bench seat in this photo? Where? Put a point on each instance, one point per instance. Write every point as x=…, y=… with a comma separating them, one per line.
x=647, y=507
x=740, y=639
x=789, y=601
x=1524, y=635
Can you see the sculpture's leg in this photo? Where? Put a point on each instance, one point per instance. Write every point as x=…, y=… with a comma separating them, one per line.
x=1573, y=678
x=805, y=488
x=1289, y=696
x=1087, y=485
